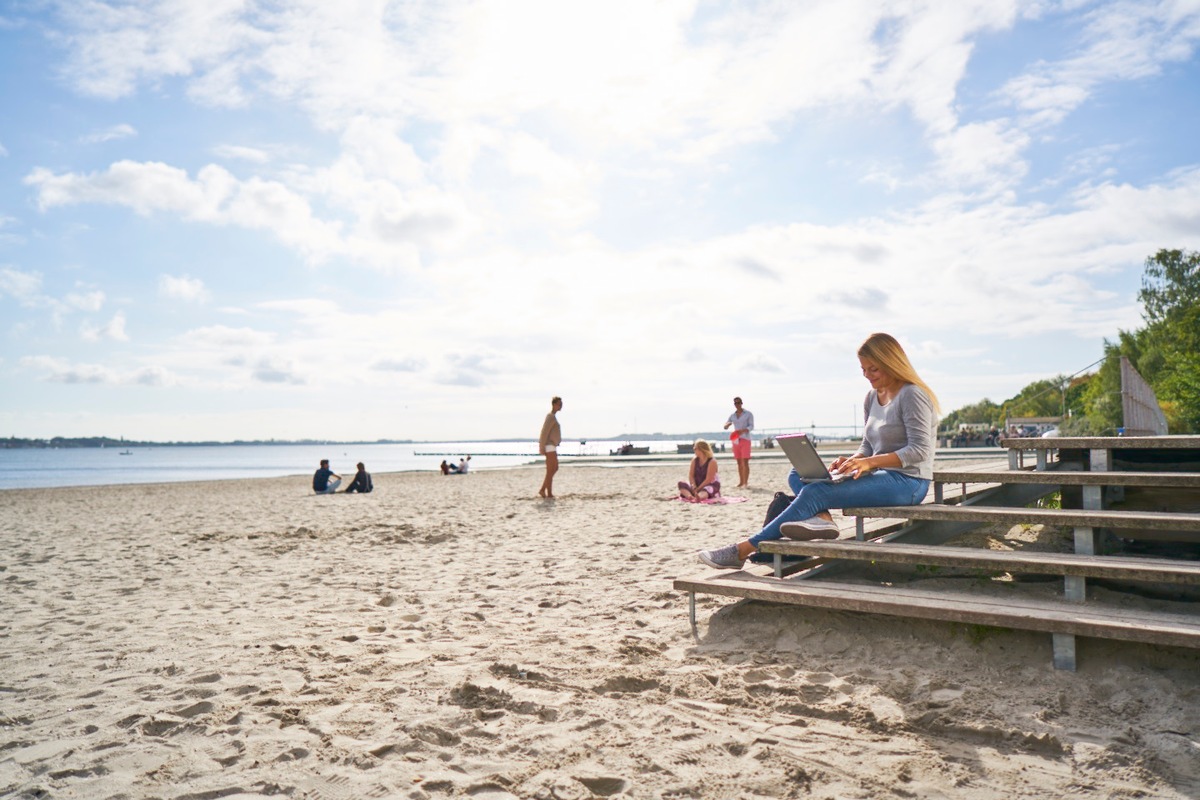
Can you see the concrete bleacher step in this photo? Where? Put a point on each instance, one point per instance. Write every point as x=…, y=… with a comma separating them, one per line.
x=1021, y=562
x=1013, y=611
x=1119, y=520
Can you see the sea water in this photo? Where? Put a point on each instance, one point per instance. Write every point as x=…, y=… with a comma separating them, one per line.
x=100, y=466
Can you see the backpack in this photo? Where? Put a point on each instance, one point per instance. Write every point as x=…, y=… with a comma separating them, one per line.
x=781, y=501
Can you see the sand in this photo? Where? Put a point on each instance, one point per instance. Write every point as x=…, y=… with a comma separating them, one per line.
x=457, y=636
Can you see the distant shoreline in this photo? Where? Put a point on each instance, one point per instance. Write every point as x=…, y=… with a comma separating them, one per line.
x=63, y=442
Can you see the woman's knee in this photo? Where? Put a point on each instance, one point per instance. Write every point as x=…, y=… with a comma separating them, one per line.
x=815, y=492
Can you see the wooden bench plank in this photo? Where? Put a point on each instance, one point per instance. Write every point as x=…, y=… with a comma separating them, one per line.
x=1188, y=480
x=1142, y=520
x=1036, y=563
x=1058, y=616
x=1103, y=443
x=878, y=527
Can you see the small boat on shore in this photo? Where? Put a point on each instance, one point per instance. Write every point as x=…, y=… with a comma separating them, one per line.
x=628, y=449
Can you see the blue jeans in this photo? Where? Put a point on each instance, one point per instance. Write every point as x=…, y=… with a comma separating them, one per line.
x=879, y=488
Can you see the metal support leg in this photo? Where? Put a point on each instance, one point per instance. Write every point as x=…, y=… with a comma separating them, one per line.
x=937, y=492
x=692, y=610
x=778, y=565
x=860, y=531
x=1064, y=651
x=1014, y=459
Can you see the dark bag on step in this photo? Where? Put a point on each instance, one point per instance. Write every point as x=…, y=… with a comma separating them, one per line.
x=781, y=501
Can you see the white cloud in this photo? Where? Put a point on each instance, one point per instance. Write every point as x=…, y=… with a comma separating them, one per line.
x=277, y=370
x=115, y=47
x=122, y=131
x=491, y=160
x=235, y=152
x=113, y=330
x=85, y=301
x=3, y=150
x=474, y=369
x=58, y=370
x=25, y=287
x=223, y=337
x=215, y=196
x=761, y=363
x=986, y=155
x=623, y=73
x=1123, y=41
x=666, y=81
x=407, y=364
x=183, y=287
x=313, y=308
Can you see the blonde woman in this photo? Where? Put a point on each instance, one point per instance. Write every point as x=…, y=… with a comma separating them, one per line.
x=703, y=474
x=892, y=466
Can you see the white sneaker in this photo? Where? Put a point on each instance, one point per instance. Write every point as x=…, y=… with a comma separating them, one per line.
x=811, y=528
x=721, y=557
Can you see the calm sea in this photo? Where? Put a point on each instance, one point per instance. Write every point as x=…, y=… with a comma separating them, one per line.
x=27, y=469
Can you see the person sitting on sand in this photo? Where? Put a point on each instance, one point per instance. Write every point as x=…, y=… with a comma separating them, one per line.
x=325, y=480
x=892, y=467
x=461, y=467
x=703, y=473
x=445, y=467
x=362, y=481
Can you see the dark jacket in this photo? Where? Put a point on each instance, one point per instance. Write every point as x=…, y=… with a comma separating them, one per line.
x=361, y=483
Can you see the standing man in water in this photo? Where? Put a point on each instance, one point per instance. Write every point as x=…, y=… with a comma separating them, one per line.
x=548, y=442
x=742, y=422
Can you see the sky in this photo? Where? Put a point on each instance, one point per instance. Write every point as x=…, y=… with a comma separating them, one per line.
x=230, y=219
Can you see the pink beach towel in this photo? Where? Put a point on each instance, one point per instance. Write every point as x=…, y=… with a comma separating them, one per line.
x=712, y=501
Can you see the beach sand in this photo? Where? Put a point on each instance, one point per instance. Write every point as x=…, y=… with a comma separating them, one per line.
x=457, y=636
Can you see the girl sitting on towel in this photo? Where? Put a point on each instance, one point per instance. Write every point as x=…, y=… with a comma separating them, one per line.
x=704, y=483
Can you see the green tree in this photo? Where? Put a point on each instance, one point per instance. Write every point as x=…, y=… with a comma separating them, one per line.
x=1170, y=287
x=1039, y=399
x=1169, y=346
x=984, y=411
x=1166, y=353
x=1102, y=411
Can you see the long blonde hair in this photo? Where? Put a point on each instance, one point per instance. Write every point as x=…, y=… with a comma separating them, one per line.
x=704, y=447
x=884, y=350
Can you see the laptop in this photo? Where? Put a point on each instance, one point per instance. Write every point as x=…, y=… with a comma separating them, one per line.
x=807, y=463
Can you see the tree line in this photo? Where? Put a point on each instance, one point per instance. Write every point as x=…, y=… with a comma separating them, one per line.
x=1166, y=352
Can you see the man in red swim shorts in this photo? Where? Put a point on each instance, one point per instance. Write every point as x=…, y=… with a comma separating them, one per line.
x=742, y=422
